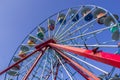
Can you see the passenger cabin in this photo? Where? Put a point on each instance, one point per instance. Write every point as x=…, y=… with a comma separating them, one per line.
x=85, y=12
x=51, y=24
x=61, y=18
x=74, y=16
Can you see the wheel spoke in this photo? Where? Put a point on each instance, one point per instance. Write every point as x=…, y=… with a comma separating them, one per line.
x=36, y=38
x=61, y=23
x=52, y=69
x=69, y=22
x=56, y=22
x=96, y=45
x=63, y=33
x=24, y=67
x=64, y=67
x=63, y=36
x=41, y=76
x=93, y=32
x=49, y=34
x=87, y=63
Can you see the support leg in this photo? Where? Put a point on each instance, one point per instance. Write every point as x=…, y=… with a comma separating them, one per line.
x=35, y=63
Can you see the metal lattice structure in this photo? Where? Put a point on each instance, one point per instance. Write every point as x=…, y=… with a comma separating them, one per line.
x=79, y=43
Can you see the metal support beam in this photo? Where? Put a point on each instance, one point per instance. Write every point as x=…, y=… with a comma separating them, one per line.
x=38, y=48
x=44, y=44
x=56, y=73
x=34, y=64
x=104, y=57
x=17, y=62
x=84, y=72
x=79, y=71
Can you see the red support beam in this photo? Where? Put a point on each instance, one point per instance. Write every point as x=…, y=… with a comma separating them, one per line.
x=38, y=48
x=44, y=44
x=79, y=71
x=84, y=72
x=56, y=73
x=34, y=64
x=17, y=62
x=104, y=57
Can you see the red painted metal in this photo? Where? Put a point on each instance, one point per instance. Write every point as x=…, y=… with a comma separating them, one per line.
x=17, y=62
x=34, y=64
x=84, y=72
x=45, y=44
x=56, y=73
x=104, y=57
x=38, y=48
x=79, y=71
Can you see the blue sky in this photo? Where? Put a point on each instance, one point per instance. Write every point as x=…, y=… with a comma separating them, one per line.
x=19, y=17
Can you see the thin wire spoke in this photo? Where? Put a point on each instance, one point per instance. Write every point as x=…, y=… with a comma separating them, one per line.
x=27, y=65
x=34, y=57
x=43, y=68
x=64, y=32
x=73, y=74
x=49, y=35
x=82, y=38
x=96, y=45
x=61, y=23
x=64, y=68
x=86, y=30
x=96, y=31
x=94, y=35
x=106, y=42
x=87, y=63
x=56, y=22
x=91, y=36
x=24, y=67
x=110, y=74
x=84, y=41
x=49, y=72
x=73, y=32
x=52, y=69
x=36, y=38
x=70, y=21
x=62, y=35
x=85, y=47
x=38, y=69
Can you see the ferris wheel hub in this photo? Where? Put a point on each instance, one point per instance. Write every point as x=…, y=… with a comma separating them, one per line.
x=45, y=43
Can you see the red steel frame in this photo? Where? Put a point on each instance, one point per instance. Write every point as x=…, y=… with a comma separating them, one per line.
x=38, y=48
x=56, y=73
x=104, y=57
x=17, y=62
x=81, y=70
x=107, y=58
x=34, y=64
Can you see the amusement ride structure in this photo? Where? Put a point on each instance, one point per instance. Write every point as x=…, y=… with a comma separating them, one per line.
x=78, y=43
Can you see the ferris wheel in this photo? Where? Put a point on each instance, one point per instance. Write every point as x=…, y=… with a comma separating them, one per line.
x=78, y=43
